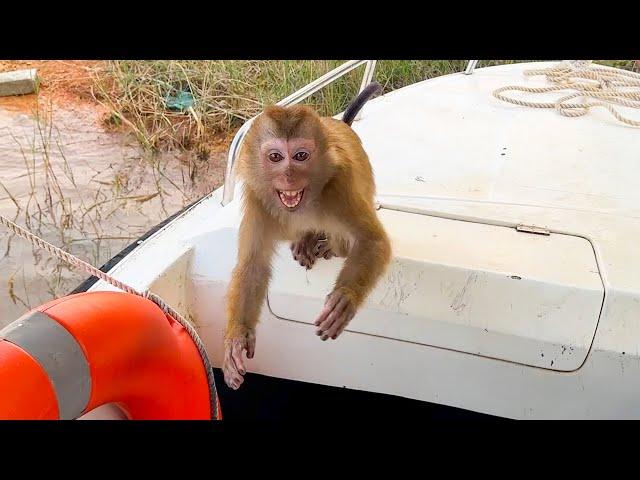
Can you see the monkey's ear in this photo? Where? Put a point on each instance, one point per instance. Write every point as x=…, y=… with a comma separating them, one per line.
x=274, y=111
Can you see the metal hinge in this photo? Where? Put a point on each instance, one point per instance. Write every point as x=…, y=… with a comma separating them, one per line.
x=533, y=229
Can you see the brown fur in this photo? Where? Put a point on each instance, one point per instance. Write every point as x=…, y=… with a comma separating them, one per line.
x=339, y=203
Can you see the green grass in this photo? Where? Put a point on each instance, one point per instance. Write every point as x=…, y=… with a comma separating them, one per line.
x=227, y=93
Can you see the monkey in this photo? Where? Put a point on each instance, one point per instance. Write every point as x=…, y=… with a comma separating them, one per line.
x=308, y=181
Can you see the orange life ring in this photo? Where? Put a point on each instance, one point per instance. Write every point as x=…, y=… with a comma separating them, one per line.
x=74, y=354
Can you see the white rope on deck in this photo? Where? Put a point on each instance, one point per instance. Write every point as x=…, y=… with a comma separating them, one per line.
x=90, y=269
x=607, y=86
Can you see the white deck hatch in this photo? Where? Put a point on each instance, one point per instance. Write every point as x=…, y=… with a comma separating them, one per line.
x=472, y=287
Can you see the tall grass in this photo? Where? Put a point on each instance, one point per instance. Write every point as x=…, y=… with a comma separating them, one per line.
x=227, y=93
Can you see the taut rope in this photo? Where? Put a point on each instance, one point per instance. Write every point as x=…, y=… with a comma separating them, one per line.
x=608, y=86
x=90, y=269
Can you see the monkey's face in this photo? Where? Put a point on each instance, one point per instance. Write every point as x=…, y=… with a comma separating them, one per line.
x=291, y=166
x=284, y=159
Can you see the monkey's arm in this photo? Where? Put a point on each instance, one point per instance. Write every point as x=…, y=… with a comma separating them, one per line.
x=247, y=290
x=366, y=262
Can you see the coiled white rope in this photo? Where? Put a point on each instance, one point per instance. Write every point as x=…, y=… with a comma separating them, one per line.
x=607, y=86
x=90, y=269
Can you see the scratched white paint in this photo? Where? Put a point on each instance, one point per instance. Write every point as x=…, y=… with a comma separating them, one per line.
x=481, y=289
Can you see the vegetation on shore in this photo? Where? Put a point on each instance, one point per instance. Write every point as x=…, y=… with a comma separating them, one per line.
x=225, y=93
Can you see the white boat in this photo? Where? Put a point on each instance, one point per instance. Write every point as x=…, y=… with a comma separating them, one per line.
x=515, y=285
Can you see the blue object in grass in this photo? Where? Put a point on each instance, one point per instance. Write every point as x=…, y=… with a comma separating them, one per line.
x=182, y=101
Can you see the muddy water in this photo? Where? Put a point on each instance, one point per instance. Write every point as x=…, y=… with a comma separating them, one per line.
x=83, y=188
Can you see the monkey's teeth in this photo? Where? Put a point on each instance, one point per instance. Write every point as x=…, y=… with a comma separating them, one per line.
x=290, y=198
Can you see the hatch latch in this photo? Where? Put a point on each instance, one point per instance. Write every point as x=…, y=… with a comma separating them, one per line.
x=532, y=229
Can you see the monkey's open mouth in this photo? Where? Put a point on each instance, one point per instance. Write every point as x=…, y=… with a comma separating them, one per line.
x=290, y=198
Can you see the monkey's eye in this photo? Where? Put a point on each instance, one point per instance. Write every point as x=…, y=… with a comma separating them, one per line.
x=275, y=157
x=301, y=156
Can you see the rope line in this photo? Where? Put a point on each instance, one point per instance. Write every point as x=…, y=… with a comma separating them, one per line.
x=607, y=86
x=90, y=269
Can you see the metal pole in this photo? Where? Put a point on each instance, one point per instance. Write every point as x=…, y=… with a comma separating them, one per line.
x=470, y=67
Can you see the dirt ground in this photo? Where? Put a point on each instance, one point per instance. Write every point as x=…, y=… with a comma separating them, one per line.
x=68, y=84
x=64, y=83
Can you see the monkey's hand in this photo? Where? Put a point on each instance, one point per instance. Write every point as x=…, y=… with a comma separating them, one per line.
x=233, y=366
x=311, y=246
x=339, y=309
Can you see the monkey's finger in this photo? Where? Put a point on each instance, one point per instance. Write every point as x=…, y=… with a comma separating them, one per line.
x=251, y=347
x=228, y=366
x=335, y=314
x=321, y=249
x=304, y=261
x=328, y=306
x=231, y=377
x=236, y=355
x=227, y=362
x=338, y=322
x=337, y=327
x=310, y=260
x=307, y=258
x=344, y=325
x=234, y=382
x=331, y=320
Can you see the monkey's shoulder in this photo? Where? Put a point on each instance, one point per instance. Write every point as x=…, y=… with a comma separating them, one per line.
x=345, y=147
x=337, y=130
